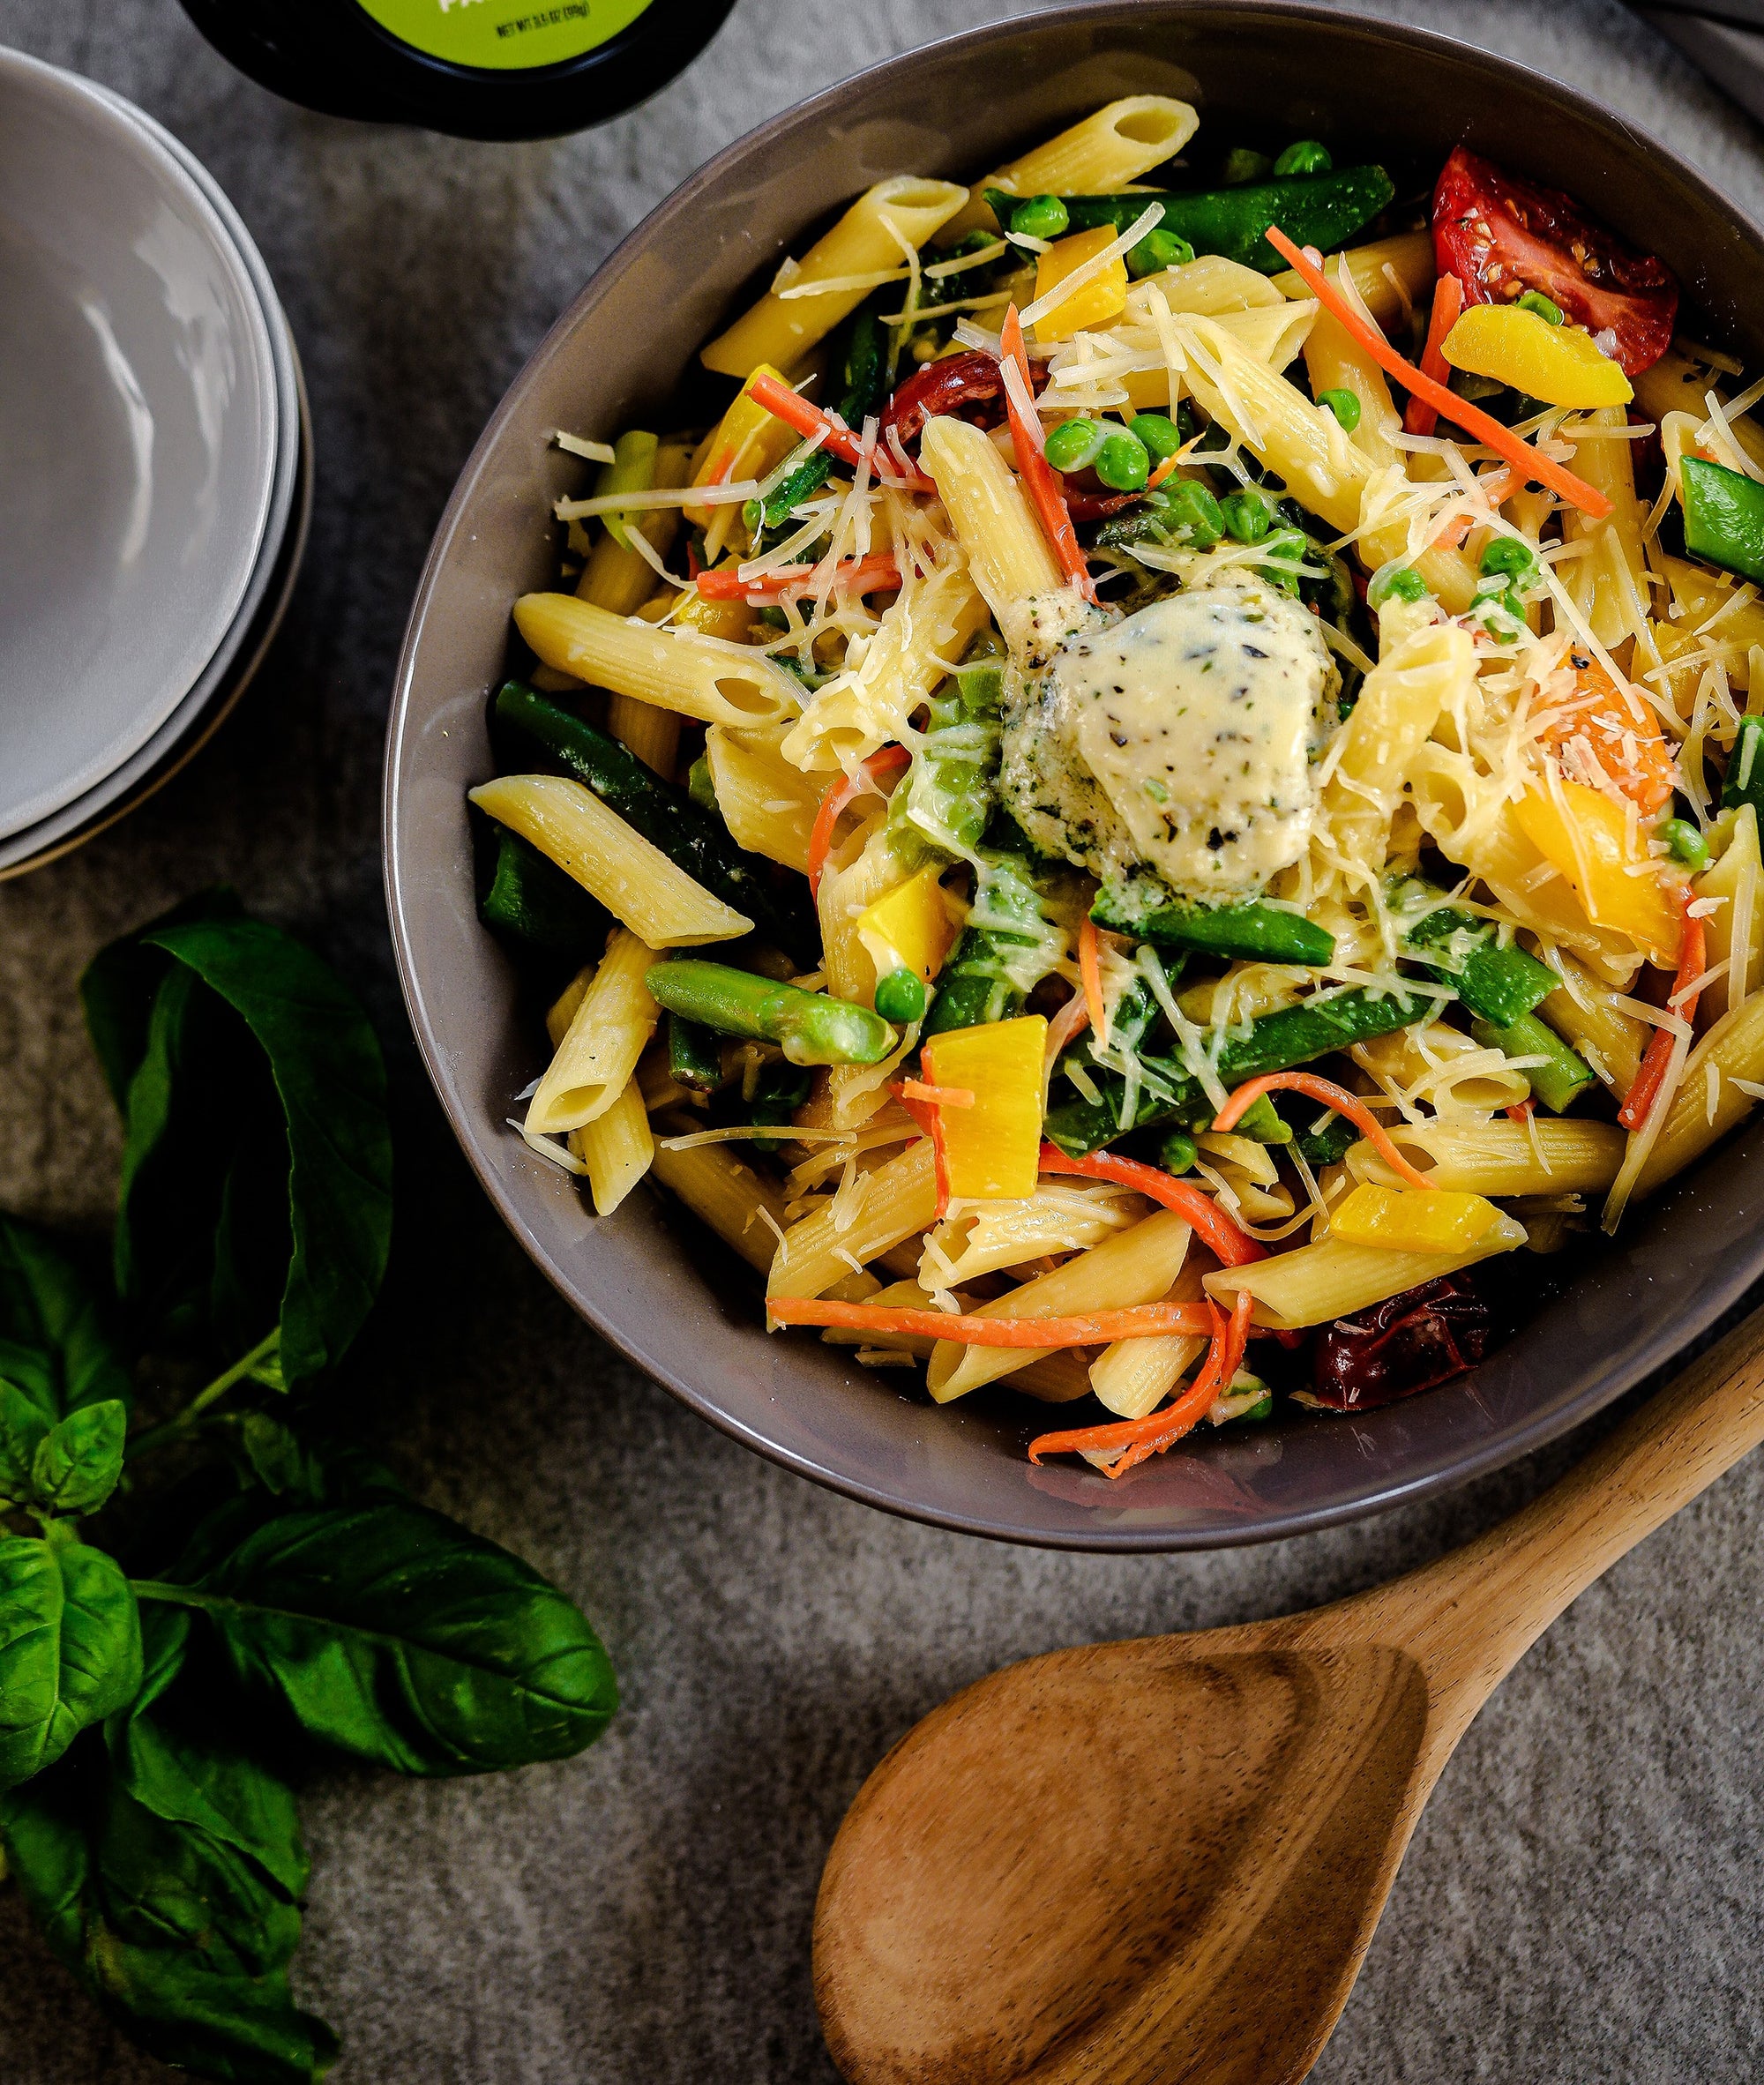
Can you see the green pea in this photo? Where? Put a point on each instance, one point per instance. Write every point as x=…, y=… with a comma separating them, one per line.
x=1242, y=165
x=1041, y=217
x=1121, y=461
x=700, y=788
x=900, y=995
x=1291, y=547
x=1684, y=842
x=1509, y=557
x=1306, y=157
x=1156, y=251
x=1178, y=1152
x=1405, y=584
x=1161, y=436
x=1073, y=445
x=1344, y=405
x=1534, y=300
x=1191, y=509
x=1248, y=515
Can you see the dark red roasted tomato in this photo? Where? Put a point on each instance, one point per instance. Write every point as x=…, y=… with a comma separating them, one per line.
x=968, y=386
x=1406, y=1344
x=1501, y=236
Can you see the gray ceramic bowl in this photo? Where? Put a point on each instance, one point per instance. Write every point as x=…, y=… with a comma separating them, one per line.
x=650, y=1278
x=140, y=438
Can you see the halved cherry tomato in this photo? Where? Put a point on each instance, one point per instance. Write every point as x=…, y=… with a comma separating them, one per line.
x=1501, y=236
x=968, y=386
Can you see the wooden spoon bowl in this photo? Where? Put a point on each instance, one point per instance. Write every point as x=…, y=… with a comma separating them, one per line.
x=1162, y=1861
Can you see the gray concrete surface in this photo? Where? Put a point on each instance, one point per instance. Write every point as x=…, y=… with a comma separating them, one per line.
x=1581, y=1901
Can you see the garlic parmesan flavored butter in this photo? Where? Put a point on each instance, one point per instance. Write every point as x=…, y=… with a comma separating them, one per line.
x=477, y=68
x=1183, y=738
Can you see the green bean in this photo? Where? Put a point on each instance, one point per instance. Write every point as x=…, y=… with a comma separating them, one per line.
x=810, y=1028
x=864, y=384
x=666, y=817
x=1558, y=1081
x=694, y=1056
x=1320, y=210
x=532, y=902
x=1252, y=933
x=781, y=1090
x=1498, y=984
x=1275, y=1043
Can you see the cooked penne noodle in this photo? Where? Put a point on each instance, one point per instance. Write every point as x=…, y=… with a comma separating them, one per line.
x=1589, y=1013
x=609, y=1031
x=1134, y=1267
x=897, y=1202
x=616, y=1148
x=1710, y=1100
x=1389, y=275
x=1610, y=584
x=1314, y=1284
x=1134, y=1376
x=744, y=1209
x=769, y=805
x=870, y=240
x=1398, y=706
x=619, y=578
x=1541, y=1156
x=1737, y=919
x=1107, y=151
x=697, y=676
x=635, y=882
x=1007, y=553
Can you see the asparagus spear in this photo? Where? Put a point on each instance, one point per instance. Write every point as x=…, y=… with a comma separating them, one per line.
x=1256, y=933
x=1275, y=1043
x=1564, y=1075
x=1498, y=984
x=532, y=902
x=810, y=1028
x=999, y=962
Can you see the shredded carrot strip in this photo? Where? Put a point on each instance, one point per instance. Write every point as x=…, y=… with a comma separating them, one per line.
x=1497, y=485
x=796, y=411
x=1156, y=1430
x=1071, y=1020
x=1331, y=1095
x=1143, y=1321
x=1521, y=1111
x=1091, y=970
x=1638, y=1102
x=841, y=794
x=935, y=1096
x=1161, y=473
x=1229, y=1245
x=1037, y=473
x=1418, y=417
x=856, y=575
x=1213, y=1382
x=1526, y=461
x=930, y=1119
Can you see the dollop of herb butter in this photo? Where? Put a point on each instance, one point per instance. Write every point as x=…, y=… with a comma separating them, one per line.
x=1181, y=740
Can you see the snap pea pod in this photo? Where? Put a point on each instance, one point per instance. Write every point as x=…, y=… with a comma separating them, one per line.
x=810, y=1028
x=863, y=381
x=1745, y=782
x=1498, y=984
x=1254, y=933
x=531, y=901
x=952, y=792
x=666, y=817
x=694, y=1056
x=998, y=962
x=1558, y=1081
x=1723, y=517
x=1275, y=1043
x=1320, y=210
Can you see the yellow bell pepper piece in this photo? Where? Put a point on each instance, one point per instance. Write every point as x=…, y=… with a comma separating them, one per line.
x=1586, y=836
x=1557, y=363
x=747, y=443
x=909, y=928
x=1093, y=303
x=991, y=1150
x=1412, y=1218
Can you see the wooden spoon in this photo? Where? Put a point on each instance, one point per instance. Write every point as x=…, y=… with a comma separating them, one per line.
x=1141, y=1863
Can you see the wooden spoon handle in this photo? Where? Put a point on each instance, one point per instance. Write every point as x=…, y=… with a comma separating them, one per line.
x=1469, y=1617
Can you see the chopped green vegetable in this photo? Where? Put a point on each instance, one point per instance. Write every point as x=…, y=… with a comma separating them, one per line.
x=1745, y=781
x=1401, y=583
x=1723, y=515
x=1344, y=405
x=1563, y=1076
x=535, y=904
x=1073, y=445
x=1178, y=1152
x=1307, y=156
x=1249, y=513
x=694, y=1055
x=1320, y=210
x=1159, y=249
x=1534, y=300
x=1008, y=946
x=1161, y=436
x=810, y=1028
x=1510, y=557
x=1121, y=462
x=1242, y=164
x=1498, y=983
x=1684, y=843
x=900, y=996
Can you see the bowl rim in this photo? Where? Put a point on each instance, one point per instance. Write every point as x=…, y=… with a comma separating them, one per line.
x=1514, y=1439
x=146, y=734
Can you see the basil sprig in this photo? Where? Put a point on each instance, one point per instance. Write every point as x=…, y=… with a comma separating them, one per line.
x=169, y=1657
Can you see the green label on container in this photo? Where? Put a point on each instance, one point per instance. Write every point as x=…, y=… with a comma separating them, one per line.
x=504, y=35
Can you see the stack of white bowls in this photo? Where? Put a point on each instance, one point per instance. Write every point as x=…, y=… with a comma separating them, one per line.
x=155, y=468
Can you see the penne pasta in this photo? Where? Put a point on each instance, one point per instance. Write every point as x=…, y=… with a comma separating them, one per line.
x=609, y=1029
x=637, y=883
x=1007, y=554
x=744, y=1209
x=697, y=676
x=896, y=1202
x=1134, y=1376
x=1331, y=1279
x=1109, y=150
x=1543, y=1156
x=768, y=804
x=616, y=1148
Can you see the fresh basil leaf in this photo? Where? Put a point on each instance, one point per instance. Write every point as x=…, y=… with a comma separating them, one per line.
x=52, y=1343
x=181, y=1937
x=70, y=1648
x=76, y=1466
x=277, y=1457
x=395, y=1635
x=23, y=1429
x=177, y=1758
x=258, y=1173
x=116, y=992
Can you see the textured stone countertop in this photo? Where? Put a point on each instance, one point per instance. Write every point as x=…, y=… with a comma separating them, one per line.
x=1581, y=1902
